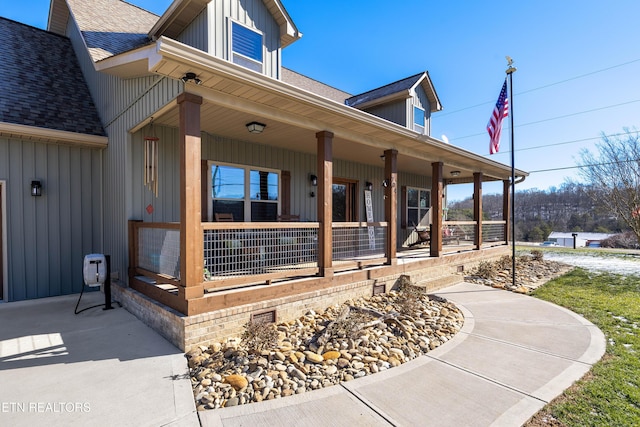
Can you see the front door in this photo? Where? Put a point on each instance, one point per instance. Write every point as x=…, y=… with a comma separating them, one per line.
x=344, y=200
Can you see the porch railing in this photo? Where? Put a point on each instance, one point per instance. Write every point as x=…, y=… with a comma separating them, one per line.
x=263, y=251
x=493, y=233
x=359, y=243
x=458, y=235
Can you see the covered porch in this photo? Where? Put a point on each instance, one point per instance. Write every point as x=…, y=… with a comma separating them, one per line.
x=197, y=265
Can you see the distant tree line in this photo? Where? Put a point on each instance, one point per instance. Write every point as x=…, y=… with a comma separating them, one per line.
x=565, y=209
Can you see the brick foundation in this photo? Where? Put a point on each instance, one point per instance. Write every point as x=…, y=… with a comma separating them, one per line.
x=185, y=332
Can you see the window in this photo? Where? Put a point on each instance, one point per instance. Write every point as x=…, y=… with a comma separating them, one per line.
x=246, y=47
x=418, y=201
x=249, y=194
x=418, y=119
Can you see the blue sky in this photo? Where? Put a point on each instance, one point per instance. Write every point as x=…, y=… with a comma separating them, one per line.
x=578, y=66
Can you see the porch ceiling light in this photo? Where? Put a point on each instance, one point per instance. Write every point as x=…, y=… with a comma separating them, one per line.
x=255, y=127
x=191, y=77
x=455, y=173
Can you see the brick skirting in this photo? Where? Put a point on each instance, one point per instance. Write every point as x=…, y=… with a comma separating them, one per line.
x=186, y=332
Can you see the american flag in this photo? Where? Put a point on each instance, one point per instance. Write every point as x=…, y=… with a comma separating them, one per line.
x=494, y=127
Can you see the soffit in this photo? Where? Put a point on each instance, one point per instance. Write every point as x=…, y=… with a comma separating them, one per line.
x=234, y=96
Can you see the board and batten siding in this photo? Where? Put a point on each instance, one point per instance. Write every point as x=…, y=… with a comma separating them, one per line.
x=121, y=104
x=48, y=236
x=395, y=112
x=243, y=153
x=196, y=34
x=252, y=13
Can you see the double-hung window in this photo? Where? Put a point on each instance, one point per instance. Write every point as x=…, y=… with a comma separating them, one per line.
x=250, y=194
x=246, y=47
x=418, y=201
x=418, y=119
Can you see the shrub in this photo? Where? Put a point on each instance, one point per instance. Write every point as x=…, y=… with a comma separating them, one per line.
x=259, y=336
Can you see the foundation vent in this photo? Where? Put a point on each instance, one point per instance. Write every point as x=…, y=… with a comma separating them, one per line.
x=379, y=288
x=264, y=317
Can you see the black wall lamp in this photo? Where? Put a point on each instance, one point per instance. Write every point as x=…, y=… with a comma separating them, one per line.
x=313, y=180
x=368, y=185
x=36, y=188
x=191, y=77
x=385, y=183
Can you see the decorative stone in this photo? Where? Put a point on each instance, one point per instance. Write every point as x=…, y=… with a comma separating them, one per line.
x=313, y=357
x=238, y=382
x=331, y=355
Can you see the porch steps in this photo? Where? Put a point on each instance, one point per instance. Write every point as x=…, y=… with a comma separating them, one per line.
x=436, y=283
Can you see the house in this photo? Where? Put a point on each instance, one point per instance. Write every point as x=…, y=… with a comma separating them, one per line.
x=581, y=239
x=223, y=186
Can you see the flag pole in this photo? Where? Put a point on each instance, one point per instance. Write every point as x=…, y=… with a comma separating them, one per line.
x=510, y=72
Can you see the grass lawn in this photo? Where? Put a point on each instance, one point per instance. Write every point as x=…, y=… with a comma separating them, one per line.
x=609, y=395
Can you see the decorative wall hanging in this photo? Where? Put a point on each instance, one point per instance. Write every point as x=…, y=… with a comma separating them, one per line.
x=151, y=160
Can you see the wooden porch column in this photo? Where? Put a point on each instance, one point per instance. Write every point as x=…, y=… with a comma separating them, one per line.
x=506, y=209
x=437, y=192
x=477, y=208
x=325, y=202
x=191, y=241
x=391, y=204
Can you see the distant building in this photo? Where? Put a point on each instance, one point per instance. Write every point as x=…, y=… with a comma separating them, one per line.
x=582, y=239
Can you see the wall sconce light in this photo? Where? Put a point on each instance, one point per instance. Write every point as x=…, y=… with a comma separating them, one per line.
x=368, y=186
x=313, y=180
x=255, y=127
x=455, y=173
x=36, y=188
x=385, y=183
x=191, y=77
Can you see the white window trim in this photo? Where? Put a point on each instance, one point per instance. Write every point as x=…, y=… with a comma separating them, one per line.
x=247, y=187
x=424, y=122
x=231, y=52
x=421, y=221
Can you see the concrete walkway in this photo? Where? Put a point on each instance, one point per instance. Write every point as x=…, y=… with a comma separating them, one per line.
x=514, y=354
x=105, y=368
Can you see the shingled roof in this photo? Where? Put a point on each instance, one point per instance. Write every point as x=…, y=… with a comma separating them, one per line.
x=41, y=83
x=111, y=27
x=404, y=85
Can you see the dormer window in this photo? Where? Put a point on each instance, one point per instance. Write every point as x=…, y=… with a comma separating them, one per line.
x=246, y=47
x=418, y=119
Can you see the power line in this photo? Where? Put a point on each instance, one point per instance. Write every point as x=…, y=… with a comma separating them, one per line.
x=556, y=118
x=446, y=113
x=555, y=144
x=584, y=166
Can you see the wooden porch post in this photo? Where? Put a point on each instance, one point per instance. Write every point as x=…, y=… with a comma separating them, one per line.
x=391, y=204
x=437, y=192
x=506, y=209
x=191, y=240
x=325, y=202
x=477, y=208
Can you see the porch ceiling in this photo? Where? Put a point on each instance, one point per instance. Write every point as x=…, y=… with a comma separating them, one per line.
x=234, y=97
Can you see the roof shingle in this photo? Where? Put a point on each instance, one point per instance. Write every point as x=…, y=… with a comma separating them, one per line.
x=111, y=27
x=41, y=83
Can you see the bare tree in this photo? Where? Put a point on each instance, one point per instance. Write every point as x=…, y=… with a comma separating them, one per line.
x=614, y=175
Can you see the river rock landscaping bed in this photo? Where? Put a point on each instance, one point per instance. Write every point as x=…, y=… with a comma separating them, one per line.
x=357, y=338
x=532, y=271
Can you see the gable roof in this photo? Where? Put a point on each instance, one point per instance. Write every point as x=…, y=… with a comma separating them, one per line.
x=41, y=84
x=109, y=27
x=112, y=27
x=397, y=90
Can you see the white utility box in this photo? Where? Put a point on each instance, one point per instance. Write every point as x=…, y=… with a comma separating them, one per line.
x=94, y=269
